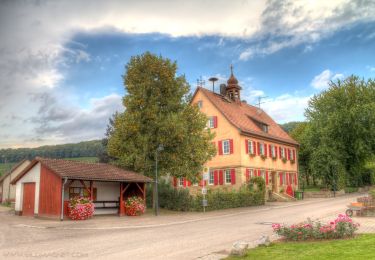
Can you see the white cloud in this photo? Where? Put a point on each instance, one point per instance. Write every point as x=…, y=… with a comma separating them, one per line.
x=286, y=108
x=321, y=81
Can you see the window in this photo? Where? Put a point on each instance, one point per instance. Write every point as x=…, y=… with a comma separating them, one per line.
x=211, y=180
x=261, y=148
x=251, y=173
x=283, y=153
x=265, y=128
x=211, y=122
x=226, y=147
x=228, y=177
x=80, y=192
x=263, y=174
x=181, y=182
x=284, y=178
x=200, y=103
x=250, y=147
x=273, y=151
x=291, y=155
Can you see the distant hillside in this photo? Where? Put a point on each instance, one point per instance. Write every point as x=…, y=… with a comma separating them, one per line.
x=288, y=127
x=82, y=149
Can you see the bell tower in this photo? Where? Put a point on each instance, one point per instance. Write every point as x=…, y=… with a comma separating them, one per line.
x=233, y=89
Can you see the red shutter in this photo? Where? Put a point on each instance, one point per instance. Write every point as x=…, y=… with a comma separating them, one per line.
x=290, y=178
x=188, y=183
x=215, y=121
x=184, y=182
x=258, y=148
x=216, y=178
x=275, y=151
x=265, y=149
x=247, y=146
x=270, y=150
x=288, y=154
x=280, y=152
x=258, y=174
x=201, y=183
x=267, y=177
x=281, y=178
x=221, y=177
x=231, y=146
x=294, y=154
x=220, y=147
x=174, y=181
x=233, y=176
x=247, y=175
x=254, y=147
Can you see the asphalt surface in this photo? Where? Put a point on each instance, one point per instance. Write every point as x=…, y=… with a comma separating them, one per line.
x=169, y=236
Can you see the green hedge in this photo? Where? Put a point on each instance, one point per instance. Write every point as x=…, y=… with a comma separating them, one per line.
x=170, y=198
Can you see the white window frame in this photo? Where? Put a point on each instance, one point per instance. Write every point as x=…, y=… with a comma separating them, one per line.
x=283, y=153
x=213, y=178
x=224, y=146
x=181, y=182
x=261, y=148
x=291, y=154
x=211, y=122
x=251, y=173
x=284, y=178
x=227, y=172
x=250, y=147
x=200, y=104
x=273, y=151
x=263, y=174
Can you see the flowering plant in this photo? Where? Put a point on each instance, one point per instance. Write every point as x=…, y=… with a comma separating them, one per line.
x=135, y=206
x=81, y=208
x=341, y=227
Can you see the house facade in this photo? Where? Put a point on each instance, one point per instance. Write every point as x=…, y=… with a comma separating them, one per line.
x=249, y=143
x=45, y=186
x=8, y=190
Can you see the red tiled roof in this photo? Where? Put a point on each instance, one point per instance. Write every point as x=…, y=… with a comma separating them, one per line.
x=244, y=117
x=86, y=171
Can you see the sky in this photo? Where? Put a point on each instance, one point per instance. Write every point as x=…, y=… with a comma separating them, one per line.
x=61, y=62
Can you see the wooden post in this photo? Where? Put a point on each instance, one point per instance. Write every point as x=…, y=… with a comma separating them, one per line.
x=144, y=192
x=91, y=190
x=121, y=201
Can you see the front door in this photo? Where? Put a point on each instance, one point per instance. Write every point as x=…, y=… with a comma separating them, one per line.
x=28, y=199
x=274, y=182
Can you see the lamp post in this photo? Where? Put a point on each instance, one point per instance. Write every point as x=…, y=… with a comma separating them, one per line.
x=156, y=194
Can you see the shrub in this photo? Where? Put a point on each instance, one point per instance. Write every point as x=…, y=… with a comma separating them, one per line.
x=81, y=208
x=341, y=227
x=134, y=206
x=181, y=200
x=350, y=189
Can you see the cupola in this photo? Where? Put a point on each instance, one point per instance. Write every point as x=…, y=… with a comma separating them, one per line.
x=232, y=88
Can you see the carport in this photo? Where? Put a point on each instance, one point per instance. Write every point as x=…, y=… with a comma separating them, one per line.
x=46, y=185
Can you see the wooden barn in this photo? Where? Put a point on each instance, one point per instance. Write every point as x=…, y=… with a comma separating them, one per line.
x=45, y=186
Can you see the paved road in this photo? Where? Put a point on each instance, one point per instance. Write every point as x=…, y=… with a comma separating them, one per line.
x=170, y=236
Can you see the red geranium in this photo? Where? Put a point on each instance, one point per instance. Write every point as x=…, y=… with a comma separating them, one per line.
x=81, y=208
x=135, y=206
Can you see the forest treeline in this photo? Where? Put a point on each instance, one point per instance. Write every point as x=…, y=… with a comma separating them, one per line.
x=83, y=149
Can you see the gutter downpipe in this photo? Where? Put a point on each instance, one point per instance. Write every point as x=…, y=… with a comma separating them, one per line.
x=62, y=199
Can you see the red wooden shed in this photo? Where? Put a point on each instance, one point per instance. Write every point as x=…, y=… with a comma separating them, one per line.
x=46, y=185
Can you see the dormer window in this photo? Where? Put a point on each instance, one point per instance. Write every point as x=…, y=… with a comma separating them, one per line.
x=265, y=128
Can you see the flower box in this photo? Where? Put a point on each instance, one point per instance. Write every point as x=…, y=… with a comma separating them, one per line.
x=80, y=208
x=134, y=206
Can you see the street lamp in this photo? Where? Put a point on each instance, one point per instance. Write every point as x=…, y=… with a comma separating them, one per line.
x=156, y=195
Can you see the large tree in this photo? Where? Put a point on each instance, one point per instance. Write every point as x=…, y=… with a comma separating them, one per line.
x=341, y=132
x=158, y=113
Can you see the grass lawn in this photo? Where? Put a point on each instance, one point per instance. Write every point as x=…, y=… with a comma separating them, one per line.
x=361, y=247
x=84, y=159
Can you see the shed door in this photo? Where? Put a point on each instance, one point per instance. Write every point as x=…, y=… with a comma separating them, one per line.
x=28, y=199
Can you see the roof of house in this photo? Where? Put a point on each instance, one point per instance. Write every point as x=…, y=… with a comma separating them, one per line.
x=86, y=171
x=247, y=118
x=12, y=170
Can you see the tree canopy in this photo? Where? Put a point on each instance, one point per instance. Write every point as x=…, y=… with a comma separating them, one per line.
x=339, y=137
x=158, y=114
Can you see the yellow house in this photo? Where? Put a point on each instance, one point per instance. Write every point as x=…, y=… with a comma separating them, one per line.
x=249, y=143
